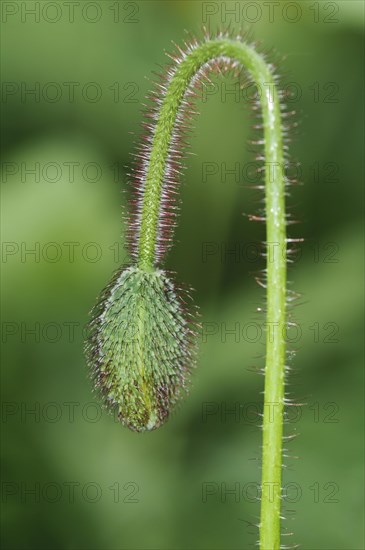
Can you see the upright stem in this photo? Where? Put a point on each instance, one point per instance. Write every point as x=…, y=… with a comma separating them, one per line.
x=224, y=49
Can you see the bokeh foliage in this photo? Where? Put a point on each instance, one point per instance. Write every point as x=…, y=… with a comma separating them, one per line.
x=167, y=468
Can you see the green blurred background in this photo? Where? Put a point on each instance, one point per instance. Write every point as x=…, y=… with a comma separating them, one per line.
x=73, y=478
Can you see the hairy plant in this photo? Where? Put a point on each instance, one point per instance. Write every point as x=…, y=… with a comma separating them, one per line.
x=142, y=333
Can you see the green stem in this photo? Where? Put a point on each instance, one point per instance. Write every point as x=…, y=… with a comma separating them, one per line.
x=261, y=74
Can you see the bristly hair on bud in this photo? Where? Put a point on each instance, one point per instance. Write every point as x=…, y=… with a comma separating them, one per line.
x=141, y=336
x=140, y=346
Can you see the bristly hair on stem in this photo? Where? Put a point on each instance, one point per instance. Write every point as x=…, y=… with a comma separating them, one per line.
x=141, y=339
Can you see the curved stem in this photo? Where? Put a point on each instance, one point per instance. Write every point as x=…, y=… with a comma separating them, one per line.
x=244, y=55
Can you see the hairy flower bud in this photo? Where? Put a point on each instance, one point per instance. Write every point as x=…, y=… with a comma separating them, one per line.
x=140, y=347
